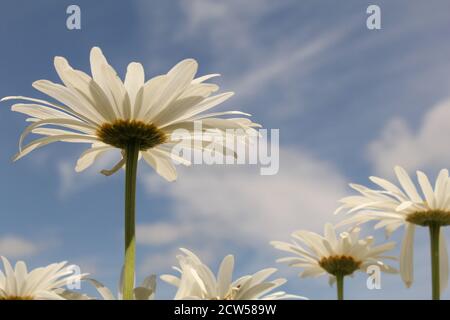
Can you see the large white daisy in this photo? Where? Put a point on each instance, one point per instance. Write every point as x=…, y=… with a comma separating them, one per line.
x=141, y=119
x=394, y=207
x=110, y=114
x=198, y=282
x=45, y=283
x=336, y=255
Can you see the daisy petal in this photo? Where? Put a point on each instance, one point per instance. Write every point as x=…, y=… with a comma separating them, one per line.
x=406, y=255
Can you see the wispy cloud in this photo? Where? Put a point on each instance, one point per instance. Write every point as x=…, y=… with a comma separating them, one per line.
x=414, y=148
x=161, y=233
x=72, y=181
x=221, y=210
x=14, y=246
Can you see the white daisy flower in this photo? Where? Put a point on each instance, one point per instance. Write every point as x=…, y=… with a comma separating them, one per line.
x=141, y=119
x=198, y=282
x=110, y=114
x=337, y=256
x=45, y=283
x=394, y=207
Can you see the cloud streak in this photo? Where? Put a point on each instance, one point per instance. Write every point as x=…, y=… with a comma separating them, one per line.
x=14, y=246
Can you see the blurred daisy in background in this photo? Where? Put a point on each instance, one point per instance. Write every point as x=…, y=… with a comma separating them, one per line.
x=394, y=207
x=45, y=283
x=336, y=255
x=198, y=282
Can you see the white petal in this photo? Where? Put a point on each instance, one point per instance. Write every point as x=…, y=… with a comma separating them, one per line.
x=224, y=276
x=88, y=157
x=262, y=275
x=41, y=112
x=162, y=165
x=404, y=205
x=119, y=94
x=407, y=254
x=178, y=78
x=216, y=114
x=200, y=90
x=312, y=272
x=91, y=91
x=21, y=277
x=387, y=185
x=407, y=184
x=46, y=103
x=206, y=104
x=10, y=279
x=255, y=291
x=205, y=77
x=166, y=150
x=57, y=122
x=330, y=235
x=175, y=281
x=47, y=140
x=440, y=188
x=102, y=289
x=175, y=110
x=134, y=80
x=151, y=92
x=69, y=97
x=426, y=188
x=98, y=60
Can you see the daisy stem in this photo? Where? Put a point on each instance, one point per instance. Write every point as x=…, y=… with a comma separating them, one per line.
x=131, y=153
x=434, y=241
x=340, y=286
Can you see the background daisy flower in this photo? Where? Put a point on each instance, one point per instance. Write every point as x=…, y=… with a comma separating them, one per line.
x=197, y=281
x=394, y=207
x=336, y=255
x=44, y=283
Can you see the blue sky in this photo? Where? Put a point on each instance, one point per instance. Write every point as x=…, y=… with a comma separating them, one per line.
x=349, y=103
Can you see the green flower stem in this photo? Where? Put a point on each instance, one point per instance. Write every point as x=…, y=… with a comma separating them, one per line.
x=340, y=286
x=434, y=241
x=131, y=153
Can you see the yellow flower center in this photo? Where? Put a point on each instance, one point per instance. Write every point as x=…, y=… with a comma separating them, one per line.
x=427, y=218
x=121, y=133
x=340, y=265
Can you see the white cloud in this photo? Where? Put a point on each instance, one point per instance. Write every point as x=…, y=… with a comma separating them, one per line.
x=160, y=233
x=226, y=23
x=233, y=206
x=90, y=265
x=13, y=246
x=238, y=42
x=283, y=65
x=72, y=181
x=231, y=26
x=161, y=262
x=421, y=148
x=158, y=263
